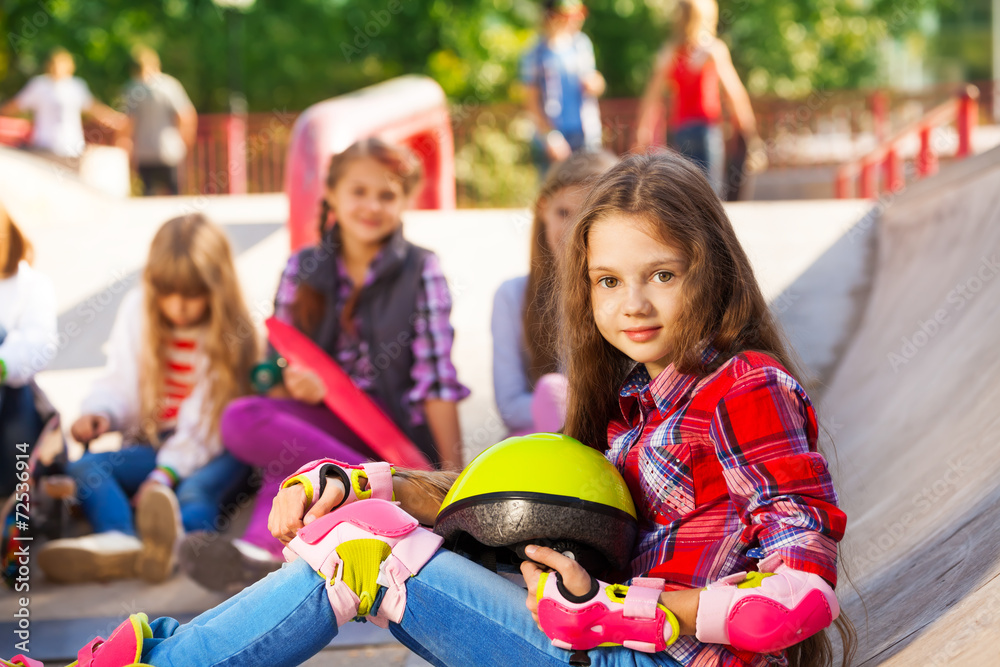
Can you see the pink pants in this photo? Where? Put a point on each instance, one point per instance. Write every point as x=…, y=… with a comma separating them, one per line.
x=279, y=436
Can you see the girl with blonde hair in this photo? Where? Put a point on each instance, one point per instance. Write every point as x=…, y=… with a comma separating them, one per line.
x=694, y=67
x=181, y=349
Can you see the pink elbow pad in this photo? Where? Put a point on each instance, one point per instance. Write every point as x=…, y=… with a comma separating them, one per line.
x=376, y=478
x=610, y=614
x=765, y=612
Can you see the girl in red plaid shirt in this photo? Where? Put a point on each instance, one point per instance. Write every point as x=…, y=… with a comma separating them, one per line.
x=678, y=372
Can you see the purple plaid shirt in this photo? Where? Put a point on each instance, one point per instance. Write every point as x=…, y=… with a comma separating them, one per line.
x=724, y=472
x=433, y=373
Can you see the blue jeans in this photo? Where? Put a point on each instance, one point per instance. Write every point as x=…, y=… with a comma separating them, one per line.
x=20, y=424
x=106, y=481
x=702, y=144
x=457, y=614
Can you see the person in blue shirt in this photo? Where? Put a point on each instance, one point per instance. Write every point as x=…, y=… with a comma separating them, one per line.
x=562, y=85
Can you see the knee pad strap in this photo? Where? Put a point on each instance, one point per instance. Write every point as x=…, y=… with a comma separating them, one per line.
x=360, y=547
x=610, y=614
x=765, y=612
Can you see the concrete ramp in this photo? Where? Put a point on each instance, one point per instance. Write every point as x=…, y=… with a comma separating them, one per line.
x=914, y=409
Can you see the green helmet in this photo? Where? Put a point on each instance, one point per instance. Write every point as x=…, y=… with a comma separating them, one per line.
x=543, y=489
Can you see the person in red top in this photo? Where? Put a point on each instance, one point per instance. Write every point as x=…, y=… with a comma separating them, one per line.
x=678, y=372
x=697, y=71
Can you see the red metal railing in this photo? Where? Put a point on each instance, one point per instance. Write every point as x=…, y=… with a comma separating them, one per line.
x=963, y=110
x=827, y=128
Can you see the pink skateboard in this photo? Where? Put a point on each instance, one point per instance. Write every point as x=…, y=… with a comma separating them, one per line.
x=343, y=397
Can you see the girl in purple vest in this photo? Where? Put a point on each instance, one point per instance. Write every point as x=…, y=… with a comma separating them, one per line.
x=380, y=307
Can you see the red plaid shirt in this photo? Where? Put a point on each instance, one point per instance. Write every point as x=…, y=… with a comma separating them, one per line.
x=724, y=472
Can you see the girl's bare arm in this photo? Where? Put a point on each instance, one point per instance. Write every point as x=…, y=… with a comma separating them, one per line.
x=442, y=418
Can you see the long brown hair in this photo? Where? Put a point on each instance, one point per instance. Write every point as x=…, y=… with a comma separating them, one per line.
x=722, y=305
x=402, y=163
x=540, y=317
x=191, y=256
x=14, y=245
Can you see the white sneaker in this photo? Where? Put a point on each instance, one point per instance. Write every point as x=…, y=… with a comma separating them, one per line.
x=158, y=520
x=97, y=557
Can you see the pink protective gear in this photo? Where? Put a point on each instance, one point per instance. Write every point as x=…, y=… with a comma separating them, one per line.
x=342, y=542
x=122, y=649
x=610, y=614
x=765, y=612
x=21, y=661
x=368, y=480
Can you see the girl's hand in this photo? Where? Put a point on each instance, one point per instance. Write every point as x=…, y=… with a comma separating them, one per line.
x=556, y=146
x=303, y=384
x=288, y=512
x=88, y=427
x=594, y=84
x=576, y=580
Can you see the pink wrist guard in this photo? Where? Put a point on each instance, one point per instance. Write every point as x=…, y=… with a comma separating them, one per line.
x=322, y=545
x=610, y=614
x=21, y=661
x=313, y=477
x=765, y=612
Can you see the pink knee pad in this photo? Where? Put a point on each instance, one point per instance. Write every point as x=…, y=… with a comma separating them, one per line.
x=630, y=616
x=411, y=547
x=376, y=478
x=765, y=612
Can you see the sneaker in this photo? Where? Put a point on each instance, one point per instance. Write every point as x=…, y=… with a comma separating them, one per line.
x=97, y=557
x=225, y=565
x=158, y=520
x=122, y=649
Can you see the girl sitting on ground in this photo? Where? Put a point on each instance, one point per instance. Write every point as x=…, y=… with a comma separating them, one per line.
x=181, y=349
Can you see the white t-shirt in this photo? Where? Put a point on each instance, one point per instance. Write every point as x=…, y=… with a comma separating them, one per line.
x=57, y=106
x=154, y=106
x=28, y=317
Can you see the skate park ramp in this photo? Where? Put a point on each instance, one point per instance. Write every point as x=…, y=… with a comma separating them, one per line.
x=912, y=410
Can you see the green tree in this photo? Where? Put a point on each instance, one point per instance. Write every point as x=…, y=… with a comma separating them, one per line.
x=296, y=53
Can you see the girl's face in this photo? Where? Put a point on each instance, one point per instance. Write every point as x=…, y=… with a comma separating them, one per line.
x=368, y=201
x=636, y=282
x=183, y=311
x=558, y=211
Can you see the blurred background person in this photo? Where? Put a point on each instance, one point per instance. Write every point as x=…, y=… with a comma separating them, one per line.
x=562, y=85
x=27, y=327
x=696, y=70
x=164, y=123
x=57, y=100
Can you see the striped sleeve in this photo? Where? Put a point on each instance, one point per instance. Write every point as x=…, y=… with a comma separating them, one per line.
x=433, y=373
x=764, y=430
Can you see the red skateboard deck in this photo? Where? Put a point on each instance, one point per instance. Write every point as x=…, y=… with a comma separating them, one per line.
x=343, y=397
